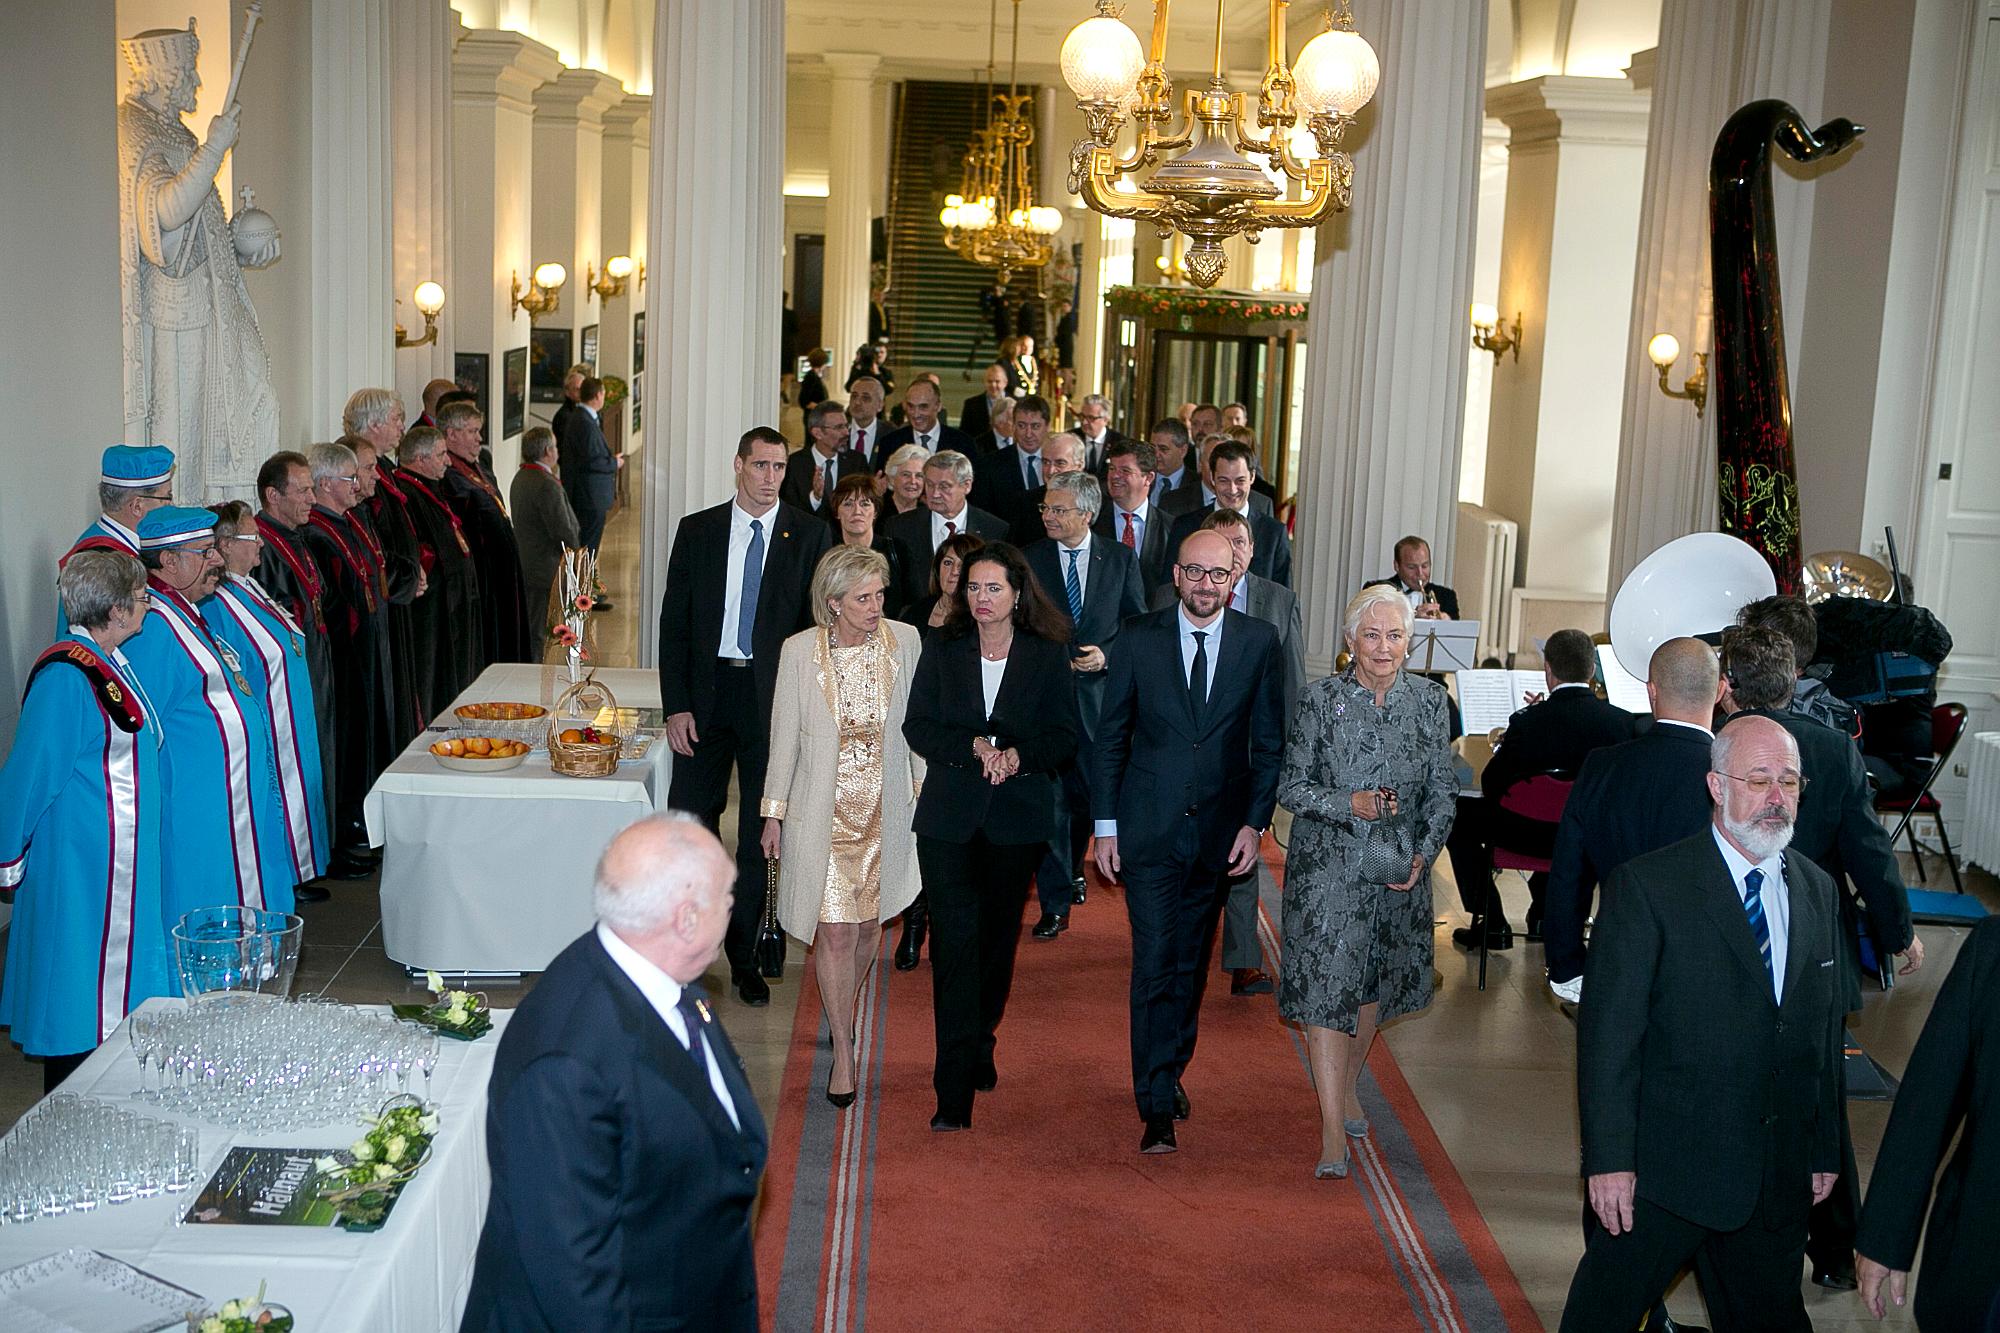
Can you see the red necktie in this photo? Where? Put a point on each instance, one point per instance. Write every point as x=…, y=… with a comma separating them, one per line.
x=858, y=437
x=950, y=529
x=1130, y=538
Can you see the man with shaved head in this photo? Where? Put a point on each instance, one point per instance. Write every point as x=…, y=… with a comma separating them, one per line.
x=624, y=1142
x=1709, y=1056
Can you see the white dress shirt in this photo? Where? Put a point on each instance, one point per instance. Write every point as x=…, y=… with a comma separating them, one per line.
x=732, y=571
x=938, y=534
x=1676, y=722
x=1777, y=901
x=863, y=437
x=926, y=440
x=1108, y=828
x=119, y=530
x=1082, y=550
x=664, y=994
x=821, y=462
x=990, y=675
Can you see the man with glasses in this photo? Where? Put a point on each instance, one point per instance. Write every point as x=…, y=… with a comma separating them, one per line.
x=132, y=481
x=1062, y=454
x=1093, y=427
x=812, y=473
x=1097, y=583
x=1838, y=830
x=1184, y=781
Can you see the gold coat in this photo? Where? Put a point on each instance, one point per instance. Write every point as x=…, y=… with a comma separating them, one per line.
x=804, y=781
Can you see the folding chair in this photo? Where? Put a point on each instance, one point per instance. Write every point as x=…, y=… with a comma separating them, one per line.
x=1947, y=726
x=1524, y=834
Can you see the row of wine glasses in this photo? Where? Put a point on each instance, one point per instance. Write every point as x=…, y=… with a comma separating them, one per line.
x=77, y=1154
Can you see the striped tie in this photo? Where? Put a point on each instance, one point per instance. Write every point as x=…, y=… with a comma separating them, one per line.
x=1073, y=588
x=1753, y=907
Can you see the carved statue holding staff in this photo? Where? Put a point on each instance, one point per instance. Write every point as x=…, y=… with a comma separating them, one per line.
x=197, y=379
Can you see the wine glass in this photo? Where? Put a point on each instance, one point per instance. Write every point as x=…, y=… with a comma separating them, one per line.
x=427, y=1059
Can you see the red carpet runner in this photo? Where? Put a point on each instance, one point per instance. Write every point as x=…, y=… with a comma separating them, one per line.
x=1046, y=1215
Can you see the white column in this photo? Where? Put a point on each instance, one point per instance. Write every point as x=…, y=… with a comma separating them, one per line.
x=569, y=197
x=850, y=150
x=353, y=311
x=494, y=77
x=1575, y=172
x=1385, y=395
x=628, y=138
x=713, y=289
x=421, y=36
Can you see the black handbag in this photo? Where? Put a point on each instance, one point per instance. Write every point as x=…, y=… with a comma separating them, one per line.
x=770, y=952
x=1392, y=842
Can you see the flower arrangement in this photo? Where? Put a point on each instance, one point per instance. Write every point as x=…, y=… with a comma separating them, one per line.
x=1170, y=302
x=243, y=1316
x=384, y=1159
x=579, y=594
x=455, y=1013
x=615, y=390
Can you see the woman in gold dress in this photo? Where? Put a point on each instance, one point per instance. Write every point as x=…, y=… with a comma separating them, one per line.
x=841, y=790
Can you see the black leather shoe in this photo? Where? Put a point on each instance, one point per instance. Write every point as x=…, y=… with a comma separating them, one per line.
x=1497, y=941
x=1249, y=981
x=987, y=1079
x=1079, y=889
x=311, y=893
x=1159, y=1135
x=752, y=989
x=910, y=945
x=1182, y=1108
x=1835, y=1277
x=949, y=1122
x=1050, y=926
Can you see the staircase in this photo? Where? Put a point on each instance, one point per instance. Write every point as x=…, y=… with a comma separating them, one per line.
x=935, y=317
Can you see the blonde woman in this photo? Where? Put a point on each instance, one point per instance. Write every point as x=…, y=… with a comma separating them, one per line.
x=841, y=790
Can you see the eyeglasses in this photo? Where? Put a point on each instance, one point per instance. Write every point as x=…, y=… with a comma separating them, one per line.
x=245, y=537
x=355, y=482
x=158, y=499
x=1760, y=783
x=1058, y=509
x=1203, y=574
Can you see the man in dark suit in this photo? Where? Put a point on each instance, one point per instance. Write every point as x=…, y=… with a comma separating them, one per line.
x=1175, y=465
x=624, y=1141
x=1228, y=469
x=1184, y=780
x=1007, y=476
x=1631, y=799
x=1093, y=427
x=1429, y=601
x=946, y=511
x=921, y=427
x=1063, y=453
x=544, y=522
x=1838, y=829
x=572, y=390
x=999, y=432
x=739, y=582
x=1130, y=517
x=1197, y=489
x=1554, y=735
x=589, y=468
x=1708, y=1057
x=1952, y=1080
x=811, y=473
x=1097, y=583
x=976, y=417
x=865, y=423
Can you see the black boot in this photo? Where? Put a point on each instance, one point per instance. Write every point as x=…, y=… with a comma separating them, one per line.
x=916, y=924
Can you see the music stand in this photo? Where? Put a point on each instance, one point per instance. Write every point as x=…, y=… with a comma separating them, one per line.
x=1444, y=645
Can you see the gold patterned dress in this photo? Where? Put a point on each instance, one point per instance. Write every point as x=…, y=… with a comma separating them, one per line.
x=860, y=690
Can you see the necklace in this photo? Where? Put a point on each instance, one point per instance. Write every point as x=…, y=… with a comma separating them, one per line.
x=1000, y=656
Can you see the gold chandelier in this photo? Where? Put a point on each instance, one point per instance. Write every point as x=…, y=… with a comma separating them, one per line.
x=1215, y=190
x=994, y=220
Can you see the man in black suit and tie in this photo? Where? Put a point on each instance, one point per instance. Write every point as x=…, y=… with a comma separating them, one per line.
x=739, y=582
x=1197, y=491
x=1097, y=584
x=865, y=424
x=1063, y=453
x=1709, y=1057
x=976, y=417
x=920, y=412
x=1131, y=518
x=1838, y=829
x=1093, y=427
x=1228, y=466
x=999, y=432
x=589, y=470
x=624, y=1142
x=1631, y=799
x=1175, y=465
x=1007, y=476
x=1554, y=735
x=945, y=513
x=811, y=473
x=1428, y=601
x=1184, y=780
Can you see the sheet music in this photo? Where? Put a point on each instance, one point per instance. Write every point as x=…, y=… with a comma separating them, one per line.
x=1444, y=645
x=1621, y=687
x=1488, y=699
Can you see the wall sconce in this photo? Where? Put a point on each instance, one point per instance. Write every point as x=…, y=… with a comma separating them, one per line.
x=1664, y=350
x=617, y=271
x=429, y=298
x=546, y=298
x=1490, y=335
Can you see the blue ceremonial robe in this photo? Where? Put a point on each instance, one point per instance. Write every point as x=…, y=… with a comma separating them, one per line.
x=103, y=535
x=271, y=647
x=80, y=808
x=218, y=756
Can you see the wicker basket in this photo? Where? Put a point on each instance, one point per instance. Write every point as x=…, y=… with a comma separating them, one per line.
x=582, y=759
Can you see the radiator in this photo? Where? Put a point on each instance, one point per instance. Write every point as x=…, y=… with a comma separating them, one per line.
x=1981, y=828
x=1483, y=573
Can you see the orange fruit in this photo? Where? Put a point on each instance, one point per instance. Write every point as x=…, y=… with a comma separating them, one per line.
x=478, y=745
x=457, y=748
x=571, y=736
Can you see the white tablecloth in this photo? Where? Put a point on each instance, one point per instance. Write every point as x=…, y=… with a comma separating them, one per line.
x=411, y=1275
x=492, y=872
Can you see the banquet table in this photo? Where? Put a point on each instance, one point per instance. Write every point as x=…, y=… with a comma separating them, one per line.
x=491, y=872
x=411, y=1275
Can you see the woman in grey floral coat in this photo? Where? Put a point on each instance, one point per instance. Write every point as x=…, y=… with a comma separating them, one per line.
x=1368, y=774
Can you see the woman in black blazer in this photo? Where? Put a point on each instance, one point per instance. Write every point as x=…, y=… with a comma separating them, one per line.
x=979, y=715
x=930, y=613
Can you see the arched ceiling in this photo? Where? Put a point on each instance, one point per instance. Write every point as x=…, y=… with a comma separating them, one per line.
x=1588, y=38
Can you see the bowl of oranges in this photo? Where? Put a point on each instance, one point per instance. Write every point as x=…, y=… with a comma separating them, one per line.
x=479, y=754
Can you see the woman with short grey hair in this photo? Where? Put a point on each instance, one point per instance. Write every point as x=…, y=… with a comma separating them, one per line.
x=1369, y=779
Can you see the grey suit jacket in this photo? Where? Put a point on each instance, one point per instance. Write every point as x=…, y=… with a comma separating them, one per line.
x=544, y=523
x=1278, y=607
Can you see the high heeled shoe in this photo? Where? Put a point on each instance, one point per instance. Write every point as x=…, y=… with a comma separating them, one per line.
x=1356, y=1128
x=1331, y=1170
x=841, y=1100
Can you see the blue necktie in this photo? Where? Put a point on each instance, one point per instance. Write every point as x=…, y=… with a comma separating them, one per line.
x=1074, y=587
x=693, y=1005
x=753, y=577
x=1753, y=907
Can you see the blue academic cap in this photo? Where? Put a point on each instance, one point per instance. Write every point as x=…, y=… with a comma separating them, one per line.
x=136, y=465
x=175, y=525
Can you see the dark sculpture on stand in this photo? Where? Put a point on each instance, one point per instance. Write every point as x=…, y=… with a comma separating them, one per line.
x=1753, y=425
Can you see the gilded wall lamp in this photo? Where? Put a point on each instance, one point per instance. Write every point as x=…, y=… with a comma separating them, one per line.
x=429, y=298
x=618, y=272
x=1490, y=335
x=1664, y=350
x=546, y=296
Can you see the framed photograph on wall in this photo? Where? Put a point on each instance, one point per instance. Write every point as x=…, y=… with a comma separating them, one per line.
x=548, y=362
x=637, y=417
x=472, y=372
x=514, y=393
x=638, y=343
x=587, y=347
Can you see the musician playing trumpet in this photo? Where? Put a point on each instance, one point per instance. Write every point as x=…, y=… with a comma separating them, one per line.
x=1428, y=601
